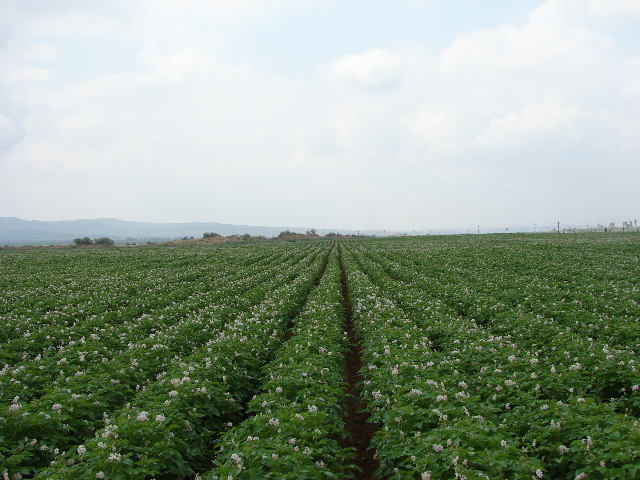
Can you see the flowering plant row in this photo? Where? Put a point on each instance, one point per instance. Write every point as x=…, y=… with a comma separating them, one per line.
x=48, y=346
x=169, y=426
x=520, y=404
x=76, y=413
x=299, y=416
x=609, y=371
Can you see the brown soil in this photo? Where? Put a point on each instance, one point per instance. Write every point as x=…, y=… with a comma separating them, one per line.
x=360, y=430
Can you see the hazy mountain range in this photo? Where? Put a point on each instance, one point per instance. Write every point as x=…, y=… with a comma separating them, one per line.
x=16, y=231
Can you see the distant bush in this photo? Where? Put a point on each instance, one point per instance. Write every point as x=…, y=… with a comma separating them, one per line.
x=83, y=241
x=210, y=234
x=103, y=241
x=246, y=236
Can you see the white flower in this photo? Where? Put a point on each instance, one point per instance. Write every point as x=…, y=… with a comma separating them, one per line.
x=544, y=407
x=504, y=443
x=81, y=450
x=438, y=448
x=56, y=407
x=114, y=457
x=142, y=416
x=160, y=418
x=278, y=389
x=100, y=475
x=274, y=421
x=581, y=476
x=563, y=449
x=313, y=409
x=426, y=476
x=539, y=473
x=173, y=393
x=236, y=458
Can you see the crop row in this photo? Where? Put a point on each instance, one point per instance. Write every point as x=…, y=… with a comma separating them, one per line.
x=483, y=357
x=229, y=357
x=166, y=332
x=298, y=418
x=452, y=398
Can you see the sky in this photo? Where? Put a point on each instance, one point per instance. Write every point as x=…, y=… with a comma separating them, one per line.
x=364, y=114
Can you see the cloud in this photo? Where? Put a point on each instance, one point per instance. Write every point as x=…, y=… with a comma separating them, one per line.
x=374, y=68
x=536, y=122
x=395, y=135
x=545, y=45
x=8, y=133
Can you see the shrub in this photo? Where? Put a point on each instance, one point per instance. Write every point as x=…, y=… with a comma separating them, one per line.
x=210, y=234
x=83, y=241
x=103, y=241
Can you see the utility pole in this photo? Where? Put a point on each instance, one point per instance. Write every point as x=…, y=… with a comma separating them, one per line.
x=558, y=227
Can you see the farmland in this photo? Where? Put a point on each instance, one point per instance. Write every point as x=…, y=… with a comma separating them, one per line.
x=497, y=356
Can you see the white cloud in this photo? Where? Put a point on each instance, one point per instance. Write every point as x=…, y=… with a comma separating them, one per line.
x=536, y=122
x=544, y=44
x=8, y=133
x=374, y=68
x=389, y=136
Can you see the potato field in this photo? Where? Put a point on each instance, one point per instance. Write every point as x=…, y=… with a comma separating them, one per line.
x=468, y=357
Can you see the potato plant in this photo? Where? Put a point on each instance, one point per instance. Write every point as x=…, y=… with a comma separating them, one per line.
x=497, y=356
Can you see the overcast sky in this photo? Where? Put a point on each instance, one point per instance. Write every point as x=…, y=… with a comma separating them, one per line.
x=328, y=114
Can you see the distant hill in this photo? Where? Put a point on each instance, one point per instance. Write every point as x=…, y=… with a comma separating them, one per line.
x=14, y=231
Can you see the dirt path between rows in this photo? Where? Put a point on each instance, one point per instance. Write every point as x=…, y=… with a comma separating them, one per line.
x=360, y=431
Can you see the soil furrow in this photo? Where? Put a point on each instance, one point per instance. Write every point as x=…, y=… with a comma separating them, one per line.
x=359, y=429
